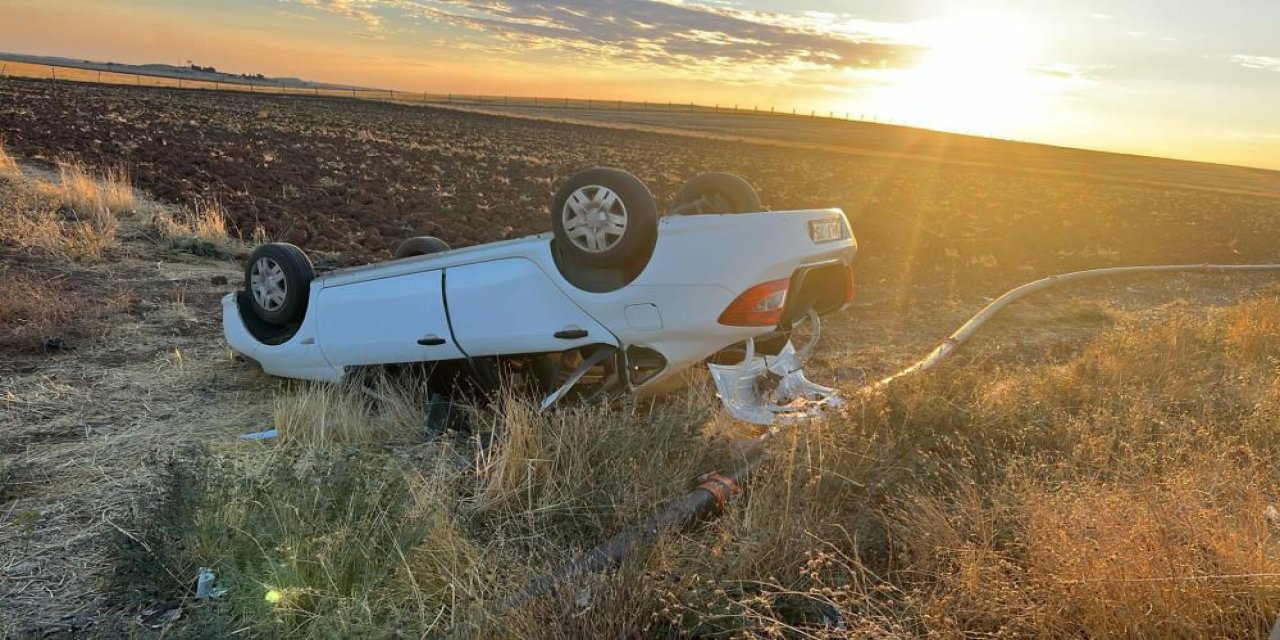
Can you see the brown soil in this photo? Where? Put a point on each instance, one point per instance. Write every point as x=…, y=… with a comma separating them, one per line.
x=358, y=177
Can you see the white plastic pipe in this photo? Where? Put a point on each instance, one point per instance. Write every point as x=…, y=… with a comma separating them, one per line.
x=967, y=330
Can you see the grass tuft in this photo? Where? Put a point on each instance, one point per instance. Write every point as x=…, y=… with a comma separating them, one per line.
x=200, y=230
x=75, y=216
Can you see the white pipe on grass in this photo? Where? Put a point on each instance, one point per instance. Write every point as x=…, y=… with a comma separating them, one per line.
x=971, y=327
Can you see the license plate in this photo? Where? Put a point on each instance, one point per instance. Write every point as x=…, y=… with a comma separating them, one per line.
x=826, y=230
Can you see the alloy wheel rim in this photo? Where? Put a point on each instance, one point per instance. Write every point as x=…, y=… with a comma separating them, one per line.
x=268, y=283
x=594, y=218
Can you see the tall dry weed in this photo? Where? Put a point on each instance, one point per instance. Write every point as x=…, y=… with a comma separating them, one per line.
x=75, y=217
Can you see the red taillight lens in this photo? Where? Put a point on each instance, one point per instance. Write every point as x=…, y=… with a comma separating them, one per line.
x=850, y=287
x=759, y=306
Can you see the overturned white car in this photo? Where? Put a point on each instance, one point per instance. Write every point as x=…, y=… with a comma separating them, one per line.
x=616, y=300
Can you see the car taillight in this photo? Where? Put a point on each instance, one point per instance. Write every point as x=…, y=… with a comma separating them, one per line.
x=759, y=306
x=850, y=287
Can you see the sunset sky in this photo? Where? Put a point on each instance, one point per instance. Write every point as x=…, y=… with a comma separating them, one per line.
x=1196, y=80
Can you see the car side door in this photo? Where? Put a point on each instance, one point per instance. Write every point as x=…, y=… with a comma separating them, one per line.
x=396, y=319
x=510, y=306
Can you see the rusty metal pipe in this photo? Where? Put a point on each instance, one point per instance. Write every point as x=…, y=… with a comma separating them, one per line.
x=709, y=498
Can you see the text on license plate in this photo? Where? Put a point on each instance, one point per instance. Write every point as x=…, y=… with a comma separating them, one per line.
x=826, y=230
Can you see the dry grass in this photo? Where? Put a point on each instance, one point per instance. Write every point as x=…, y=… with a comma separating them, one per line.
x=8, y=166
x=35, y=309
x=198, y=230
x=1086, y=497
x=98, y=198
x=316, y=415
x=76, y=215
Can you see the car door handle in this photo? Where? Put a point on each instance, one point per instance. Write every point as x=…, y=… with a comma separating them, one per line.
x=571, y=333
x=431, y=341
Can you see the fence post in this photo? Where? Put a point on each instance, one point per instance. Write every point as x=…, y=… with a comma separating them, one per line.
x=138, y=78
x=54, y=71
x=4, y=71
x=451, y=98
x=99, y=75
x=566, y=103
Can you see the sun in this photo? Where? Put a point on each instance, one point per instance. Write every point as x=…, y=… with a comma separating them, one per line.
x=977, y=77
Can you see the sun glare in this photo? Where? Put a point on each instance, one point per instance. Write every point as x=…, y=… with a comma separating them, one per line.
x=975, y=78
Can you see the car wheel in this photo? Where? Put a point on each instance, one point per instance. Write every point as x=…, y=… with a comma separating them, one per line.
x=717, y=193
x=420, y=246
x=605, y=218
x=278, y=280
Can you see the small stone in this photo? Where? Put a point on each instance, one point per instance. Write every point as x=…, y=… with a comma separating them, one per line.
x=218, y=281
x=23, y=569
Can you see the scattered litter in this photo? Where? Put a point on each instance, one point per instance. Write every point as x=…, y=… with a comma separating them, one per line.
x=55, y=344
x=436, y=421
x=261, y=435
x=159, y=616
x=205, y=585
x=22, y=569
x=767, y=389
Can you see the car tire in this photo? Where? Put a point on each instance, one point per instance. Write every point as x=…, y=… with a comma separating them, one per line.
x=605, y=218
x=278, y=281
x=712, y=193
x=420, y=246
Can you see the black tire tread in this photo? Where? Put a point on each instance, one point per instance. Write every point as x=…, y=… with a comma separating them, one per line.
x=636, y=246
x=298, y=273
x=421, y=246
x=727, y=192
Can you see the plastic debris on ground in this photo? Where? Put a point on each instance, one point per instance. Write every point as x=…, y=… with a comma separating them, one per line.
x=768, y=390
x=261, y=435
x=205, y=585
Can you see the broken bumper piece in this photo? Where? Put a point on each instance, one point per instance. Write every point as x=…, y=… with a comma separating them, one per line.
x=770, y=390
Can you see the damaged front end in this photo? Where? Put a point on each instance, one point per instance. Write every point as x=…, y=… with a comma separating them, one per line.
x=773, y=389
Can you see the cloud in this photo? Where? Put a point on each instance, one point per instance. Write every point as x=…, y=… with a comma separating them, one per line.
x=1256, y=62
x=665, y=33
x=357, y=9
x=1075, y=72
x=1102, y=16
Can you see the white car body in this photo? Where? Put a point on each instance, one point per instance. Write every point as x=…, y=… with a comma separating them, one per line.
x=510, y=298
